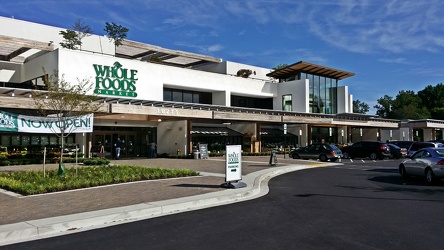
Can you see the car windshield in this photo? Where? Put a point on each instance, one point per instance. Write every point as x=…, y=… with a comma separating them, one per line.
x=440, y=152
x=333, y=147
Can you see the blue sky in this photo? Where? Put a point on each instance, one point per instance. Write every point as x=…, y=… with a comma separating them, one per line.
x=391, y=45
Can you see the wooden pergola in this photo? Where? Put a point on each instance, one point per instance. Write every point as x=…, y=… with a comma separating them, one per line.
x=12, y=48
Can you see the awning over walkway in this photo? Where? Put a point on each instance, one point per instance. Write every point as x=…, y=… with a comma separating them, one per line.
x=214, y=131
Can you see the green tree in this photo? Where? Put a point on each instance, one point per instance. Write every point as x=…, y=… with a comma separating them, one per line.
x=384, y=106
x=432, y=98
x=64, y=101
x=408, y=105
x=360, y=107
x=116, y=33
x=82, y=30
x=73, y=37
x=280, y=66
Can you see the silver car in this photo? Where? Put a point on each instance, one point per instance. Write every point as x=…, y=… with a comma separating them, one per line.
x=427, y=162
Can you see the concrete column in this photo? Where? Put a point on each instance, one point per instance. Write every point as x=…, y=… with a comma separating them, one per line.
x=429, y=134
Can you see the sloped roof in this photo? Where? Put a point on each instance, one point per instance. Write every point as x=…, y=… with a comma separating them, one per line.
x=152, y=53
x=310, y=68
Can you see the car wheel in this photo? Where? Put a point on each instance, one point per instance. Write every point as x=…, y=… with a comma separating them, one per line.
x=402, y=172
x=296, y=156
x=345, y=155
x=430, y=177
x=323, y=158
x=373, y=156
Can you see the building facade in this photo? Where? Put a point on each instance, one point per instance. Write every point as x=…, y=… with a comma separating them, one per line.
x=177, y=99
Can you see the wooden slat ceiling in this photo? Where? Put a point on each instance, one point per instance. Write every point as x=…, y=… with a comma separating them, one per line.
x=12, y=47
x=152, y=53
x=310, y=68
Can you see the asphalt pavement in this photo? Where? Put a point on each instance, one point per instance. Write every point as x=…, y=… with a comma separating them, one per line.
x=24, y=218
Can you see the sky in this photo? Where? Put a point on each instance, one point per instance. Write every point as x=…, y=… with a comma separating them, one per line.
x=391, y=45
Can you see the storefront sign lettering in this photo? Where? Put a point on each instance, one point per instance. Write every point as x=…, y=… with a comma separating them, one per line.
x=167, y=112
x=115, y=80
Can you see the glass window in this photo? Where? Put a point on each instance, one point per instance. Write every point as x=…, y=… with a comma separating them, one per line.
x=188, y=97
x=15, y=140
x=287, y=103
x=167, y=95
x=53, y=140
x=44, y=140
x=26, y=140
x=196, y=98
x=35, y=140
x=177, y=96
x=6, y=140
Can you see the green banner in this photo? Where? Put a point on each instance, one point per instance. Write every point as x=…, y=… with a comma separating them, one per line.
x=10, y=122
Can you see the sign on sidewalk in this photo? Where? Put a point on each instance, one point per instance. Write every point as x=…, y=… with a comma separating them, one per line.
x=233, y=167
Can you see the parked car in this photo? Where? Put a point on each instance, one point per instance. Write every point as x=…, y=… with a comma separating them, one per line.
x=418, y=145
x=426, y=162
x=395, y=151
x=321, y=151
x=373, y=149
x=404, y=145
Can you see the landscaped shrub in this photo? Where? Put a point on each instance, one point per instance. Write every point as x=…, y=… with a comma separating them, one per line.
x=33, y=182
x=96, y=161
x=5, y=163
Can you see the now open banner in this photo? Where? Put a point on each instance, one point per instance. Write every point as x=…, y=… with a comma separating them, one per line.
x=10, y=122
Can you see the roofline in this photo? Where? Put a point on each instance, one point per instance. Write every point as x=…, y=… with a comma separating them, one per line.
x=311, y=68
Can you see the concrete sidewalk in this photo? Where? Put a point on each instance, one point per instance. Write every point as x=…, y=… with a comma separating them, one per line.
x=47, y=215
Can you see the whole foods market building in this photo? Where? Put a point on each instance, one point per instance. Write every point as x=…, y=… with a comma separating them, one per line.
x=177, y=99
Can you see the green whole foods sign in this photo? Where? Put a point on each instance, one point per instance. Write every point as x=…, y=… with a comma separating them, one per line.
x=115, y=80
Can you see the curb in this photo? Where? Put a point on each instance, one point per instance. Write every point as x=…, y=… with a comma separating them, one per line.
x=257, y=186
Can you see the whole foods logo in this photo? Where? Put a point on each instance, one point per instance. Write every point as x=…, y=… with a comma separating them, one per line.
x=115, y=80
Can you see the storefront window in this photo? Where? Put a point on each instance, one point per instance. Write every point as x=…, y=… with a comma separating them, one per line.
x=26, y=140
x=287, y=103
x=6, y=141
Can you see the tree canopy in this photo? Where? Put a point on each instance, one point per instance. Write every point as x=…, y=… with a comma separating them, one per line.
x=64, y=100
x=73, y=37
x=116, y=33
x=426, y=104
x=360, y=107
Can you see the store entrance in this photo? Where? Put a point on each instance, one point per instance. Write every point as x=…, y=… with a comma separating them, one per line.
x=108, y=140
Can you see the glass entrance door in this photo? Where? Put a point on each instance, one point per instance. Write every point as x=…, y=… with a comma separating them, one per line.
x=109, y=139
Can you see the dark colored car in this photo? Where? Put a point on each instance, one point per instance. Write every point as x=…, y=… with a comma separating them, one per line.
x=426, y=162
x=419, y=145
x=404, y=145
x=363, y=149
x=395, y=151
x=321, y=151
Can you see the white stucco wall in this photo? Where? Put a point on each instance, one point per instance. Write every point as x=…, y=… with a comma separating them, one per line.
x=343, y=100
x=231, y=68
x=152, y=78
x=299, y=91
x=44, y=33
x=173, y=135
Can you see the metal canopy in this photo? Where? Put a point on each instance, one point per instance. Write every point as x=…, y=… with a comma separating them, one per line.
x=155, y=54
x=310, y=68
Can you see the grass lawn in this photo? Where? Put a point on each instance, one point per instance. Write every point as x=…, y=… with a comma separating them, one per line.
x=33, y=182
